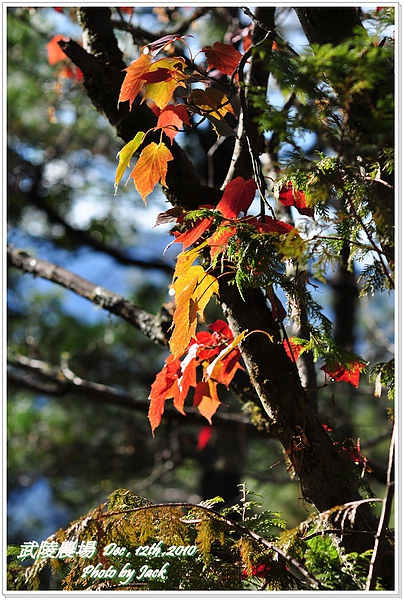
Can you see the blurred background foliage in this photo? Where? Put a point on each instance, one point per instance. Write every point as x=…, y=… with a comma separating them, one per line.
x=67, y=450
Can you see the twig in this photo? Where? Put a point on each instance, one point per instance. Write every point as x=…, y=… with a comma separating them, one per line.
x=380, y=541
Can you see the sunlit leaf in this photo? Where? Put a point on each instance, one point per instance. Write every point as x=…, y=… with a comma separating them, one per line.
x=214, y=370
x=206, y=398
x=125, y=155
x=223, y=57
x=192, y=235
x=193, y=291
x=164, y=387
x=271, y=225
x=171, y=120
x=293, y=349
x=133, y=82
x=237, y=197
x=172, y=72
x=220, y=239
x=349, y=374
x=151, y=168
x=290, y=196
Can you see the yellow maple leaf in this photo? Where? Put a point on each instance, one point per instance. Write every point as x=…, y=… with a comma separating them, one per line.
x=163, y=78
x=212, y=101
x=192, y=293
x=125, y=155
x=151, y=168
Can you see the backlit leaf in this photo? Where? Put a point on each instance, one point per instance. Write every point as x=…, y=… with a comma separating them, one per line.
x=293, y=349
x=125, y=155
x=192, y=293
x=190, y=236
x=223, y=57
x=150, y=168
x=350, y=374
x=206, y=398
x=271, y=225
x=237, y=197
x=164, y=387
x=133, y=82
x=215, y=369
x=172, y=72
x=213, y=101
x=185, y=261
x=220, y=239
x=290, y=196
x=171, y=120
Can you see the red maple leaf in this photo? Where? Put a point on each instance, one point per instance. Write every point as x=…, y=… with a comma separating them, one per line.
x=271, y=225
x=190, y=236
x=290, y=196
x=204, y=436
x=222, y=328
x=165, y=386
x=220, y=239
x=237, y=197
x=349, y=374
x=292, y=349
x=223, y=57
x=171, y=120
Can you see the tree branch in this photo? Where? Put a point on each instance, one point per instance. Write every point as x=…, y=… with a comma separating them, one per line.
x=103, y=76
x=380, y=539
x=39, y=376
x=154, y=327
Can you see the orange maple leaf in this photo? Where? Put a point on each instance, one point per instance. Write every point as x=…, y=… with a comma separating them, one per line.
x=223, y=57
x=133, y=82
x=192, y=293
x=171, y=120
x=164, y=387
x=151, y=168
x=206, y=398
x=55, y=52
x=212, y=101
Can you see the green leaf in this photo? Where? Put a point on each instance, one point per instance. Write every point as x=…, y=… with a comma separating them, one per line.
x=125, y=155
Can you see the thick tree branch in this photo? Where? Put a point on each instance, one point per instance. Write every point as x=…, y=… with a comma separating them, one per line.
x=103, y=77
x=154, y=327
